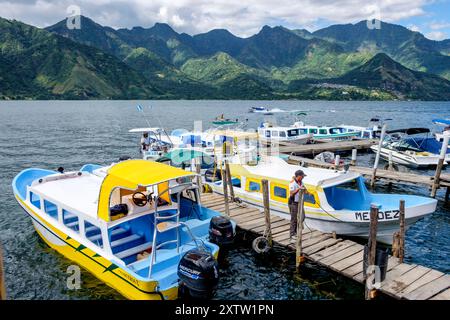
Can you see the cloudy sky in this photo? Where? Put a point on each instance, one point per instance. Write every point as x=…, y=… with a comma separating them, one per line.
x=242, y=17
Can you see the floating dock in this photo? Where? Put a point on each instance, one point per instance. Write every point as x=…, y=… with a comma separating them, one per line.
x=345, y=257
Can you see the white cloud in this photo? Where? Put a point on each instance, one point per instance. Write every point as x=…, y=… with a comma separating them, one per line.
x=194, y=16
x=439, y=25
x=436, y=35
x=413, y=27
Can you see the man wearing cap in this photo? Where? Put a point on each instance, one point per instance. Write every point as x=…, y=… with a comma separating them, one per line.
x=294, y=187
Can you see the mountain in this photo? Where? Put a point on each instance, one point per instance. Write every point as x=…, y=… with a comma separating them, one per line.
x=408, y=47
x=382, y=72
x=336, y=62
x=39, y=64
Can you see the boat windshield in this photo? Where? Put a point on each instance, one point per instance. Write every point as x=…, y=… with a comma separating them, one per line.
x=351, y=195
x=337, y=130
x=293, y=132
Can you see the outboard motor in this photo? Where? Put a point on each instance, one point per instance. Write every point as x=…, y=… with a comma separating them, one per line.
x=198, y=273
x=221, y=231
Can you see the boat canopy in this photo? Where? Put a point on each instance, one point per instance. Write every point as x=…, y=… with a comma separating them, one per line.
x=442, y=122
x=132, y=174
x=142, y=130
x=409, y=131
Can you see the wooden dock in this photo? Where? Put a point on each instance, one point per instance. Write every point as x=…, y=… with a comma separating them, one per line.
x=318, y=147
x=345, y=257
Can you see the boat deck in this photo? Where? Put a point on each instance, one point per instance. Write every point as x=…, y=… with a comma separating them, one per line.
x=345, y=257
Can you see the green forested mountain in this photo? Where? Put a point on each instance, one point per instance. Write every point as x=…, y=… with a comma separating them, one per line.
x=337, y=62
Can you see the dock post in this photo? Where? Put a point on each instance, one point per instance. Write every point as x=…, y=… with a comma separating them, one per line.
x=300, y=216
x=2, y=279
x=337, y=159
x=377, y=157
x=372, y=247
x=198, y=169
x=354, y=155
x=401, y=249
x=266, y=200
x=437, y=174
x=225, y=191
x=391, y=165
x=447, y=194
x=229, y=180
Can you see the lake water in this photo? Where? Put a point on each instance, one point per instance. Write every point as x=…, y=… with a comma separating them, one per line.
x=49, y=134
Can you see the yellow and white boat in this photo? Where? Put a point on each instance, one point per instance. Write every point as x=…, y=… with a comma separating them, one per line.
x=338, y=201
x=130, y=224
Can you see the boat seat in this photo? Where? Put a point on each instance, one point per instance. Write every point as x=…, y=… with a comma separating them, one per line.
x=135, y=250
x=115, y=232
x=92, y=230
x=125, y=240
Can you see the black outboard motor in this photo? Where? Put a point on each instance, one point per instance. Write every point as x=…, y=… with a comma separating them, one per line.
x=221, y=231
x=198, y=273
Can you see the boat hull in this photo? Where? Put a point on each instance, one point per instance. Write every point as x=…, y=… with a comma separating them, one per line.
x=409, y=160
x=106, y=271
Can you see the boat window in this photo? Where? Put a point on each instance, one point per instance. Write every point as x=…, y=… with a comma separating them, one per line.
x=35, y=200
x=336, y=130
x=267, y=134
x=309, y=198
x=282, y=134
x=275, y=134
x=51, y=209
x=366, y=134
x=349, y=195
x=313, y=131
x=236, y=182
x=293, y=133
x=70, y=220
x=254, y=186
x=280, y=192
x=323, y=131
x=350, y=185
x=93, y=233
x=303, y=131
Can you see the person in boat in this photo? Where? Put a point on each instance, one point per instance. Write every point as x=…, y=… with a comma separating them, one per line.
x=145, y=142
x=295, y=186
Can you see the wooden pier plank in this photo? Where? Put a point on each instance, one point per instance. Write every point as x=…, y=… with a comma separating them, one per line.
x=430, y=289
x=407, y=281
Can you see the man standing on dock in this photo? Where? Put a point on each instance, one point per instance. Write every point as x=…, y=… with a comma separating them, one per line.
x=295, y=186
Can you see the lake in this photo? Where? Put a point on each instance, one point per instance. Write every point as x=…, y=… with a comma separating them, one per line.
x=49, y=134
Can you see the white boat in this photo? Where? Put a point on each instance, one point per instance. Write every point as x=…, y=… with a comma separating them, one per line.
x=410, y=148
x=326, y=132
x=338, y=201
x=262, y=110
x=275, y=134
x=373, y=131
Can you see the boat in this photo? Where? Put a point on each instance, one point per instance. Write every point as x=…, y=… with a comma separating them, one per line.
x=412, y=147
x=222, y=121
x=262, y=110
x=326, y=132
x=276, y=134
x=373, y=131
x=337, y=201
x=446, y=130
x=159, y=142
x=132, y=224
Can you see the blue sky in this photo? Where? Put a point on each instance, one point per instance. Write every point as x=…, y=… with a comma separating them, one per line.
x=241, y=17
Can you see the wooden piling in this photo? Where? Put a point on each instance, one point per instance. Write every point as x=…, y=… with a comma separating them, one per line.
x=225, y=191
x=401, y=249
x=266, y=201
x=229, y=180
x=437, y=174
x=372, y=247
x=198, y=168
x=354, y=155
x=337, y=160
x=377, y=157
x=299, y=258
x=2, y=277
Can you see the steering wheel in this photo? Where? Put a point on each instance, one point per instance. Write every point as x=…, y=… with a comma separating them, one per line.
x=139, y=199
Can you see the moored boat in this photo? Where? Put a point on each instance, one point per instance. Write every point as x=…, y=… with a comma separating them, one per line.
x=337, y=201
x=130, y=224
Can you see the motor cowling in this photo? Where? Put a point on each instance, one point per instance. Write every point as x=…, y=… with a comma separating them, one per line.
x=199, y=273
x=221, y=231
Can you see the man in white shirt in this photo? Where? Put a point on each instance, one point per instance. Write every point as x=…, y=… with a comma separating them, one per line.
x=145, y=141
x=295, y=186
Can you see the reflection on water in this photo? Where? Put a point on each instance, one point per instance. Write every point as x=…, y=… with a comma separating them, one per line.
x=72, y=133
